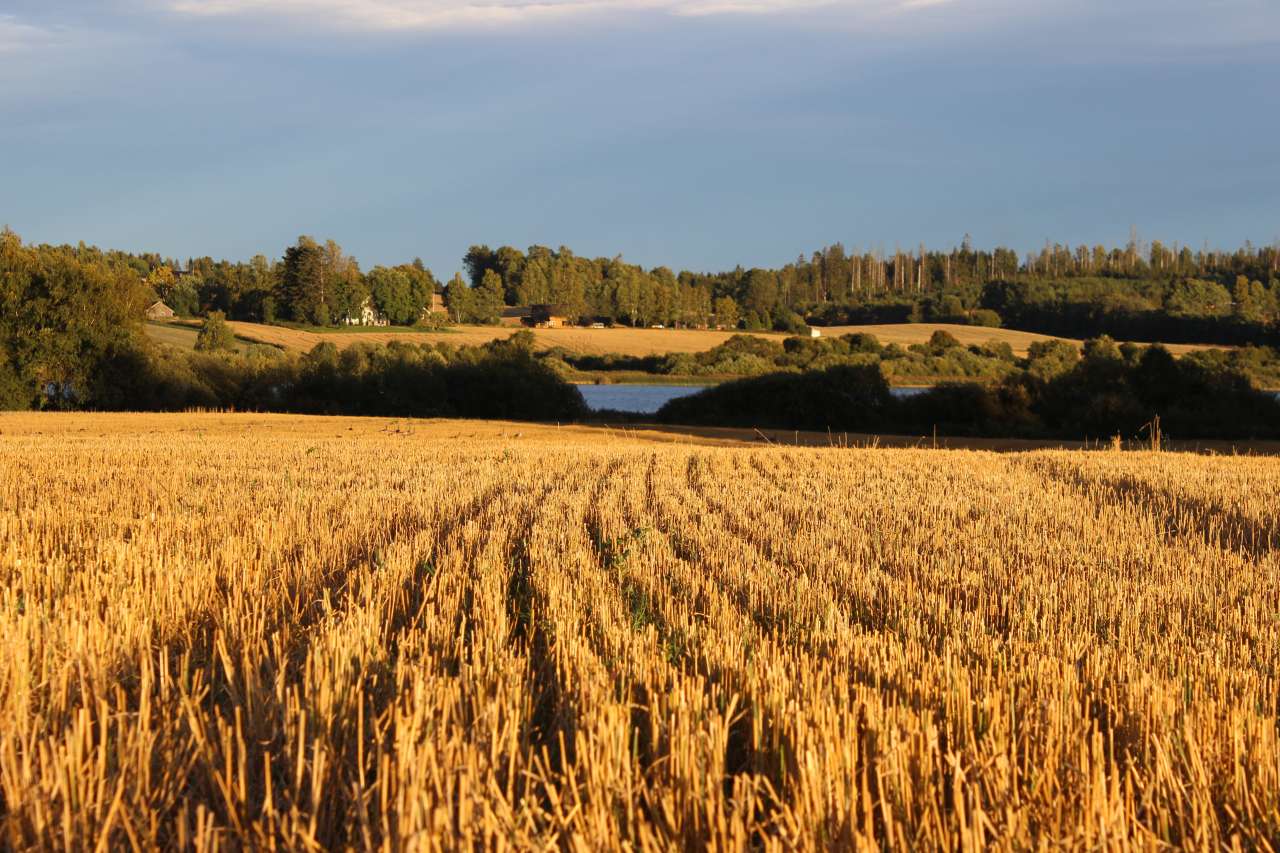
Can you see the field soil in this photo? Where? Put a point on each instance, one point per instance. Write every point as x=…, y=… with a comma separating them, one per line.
x=625, y=341
x=280, y=632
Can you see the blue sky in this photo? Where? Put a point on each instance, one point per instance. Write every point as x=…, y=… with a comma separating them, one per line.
x=696, y=133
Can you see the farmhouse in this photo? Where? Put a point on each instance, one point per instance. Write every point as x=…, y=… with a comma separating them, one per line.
x=369, y=316
x=548, y=316
x=160, y=311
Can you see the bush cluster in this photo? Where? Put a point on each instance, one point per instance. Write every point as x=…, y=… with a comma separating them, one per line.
x=1109, y=390
x=502, y=379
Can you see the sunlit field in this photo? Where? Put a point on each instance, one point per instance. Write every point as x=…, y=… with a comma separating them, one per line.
x=229, y=631
x=620, y=340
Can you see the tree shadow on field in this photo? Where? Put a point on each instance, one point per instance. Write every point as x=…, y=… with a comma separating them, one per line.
x=706, y=436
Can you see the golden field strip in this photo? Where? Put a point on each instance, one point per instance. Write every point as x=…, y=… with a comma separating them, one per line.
x=229, y=631
x=621, y=340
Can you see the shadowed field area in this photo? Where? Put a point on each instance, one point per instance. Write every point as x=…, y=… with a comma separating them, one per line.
x=246, y=631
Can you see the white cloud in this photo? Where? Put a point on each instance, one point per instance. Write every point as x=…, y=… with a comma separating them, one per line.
x=389, y=14
x=700, y=8
x=418, y=15
x=16, y=36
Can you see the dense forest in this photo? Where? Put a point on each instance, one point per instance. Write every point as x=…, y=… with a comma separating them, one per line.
x=1138, y=292
x=1145, y=292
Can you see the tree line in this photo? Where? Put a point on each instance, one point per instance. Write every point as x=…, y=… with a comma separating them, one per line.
x=1138, y=291
x=71, y=338
x=312, y=283
x=1147, y=292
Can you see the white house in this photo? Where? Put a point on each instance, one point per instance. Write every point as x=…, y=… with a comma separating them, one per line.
x=369, y=316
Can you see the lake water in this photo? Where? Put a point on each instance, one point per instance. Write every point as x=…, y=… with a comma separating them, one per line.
x=644, y=399
x=647, y=399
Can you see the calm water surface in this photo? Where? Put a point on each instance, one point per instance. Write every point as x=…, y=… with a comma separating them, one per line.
x=647, y=399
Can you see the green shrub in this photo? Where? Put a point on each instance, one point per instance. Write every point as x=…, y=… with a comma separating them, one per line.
x=984, y=317
x=215, y=334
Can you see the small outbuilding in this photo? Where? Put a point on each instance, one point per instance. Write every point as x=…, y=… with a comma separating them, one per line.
x=515, y=315
x=160, y=311
x=548, y=316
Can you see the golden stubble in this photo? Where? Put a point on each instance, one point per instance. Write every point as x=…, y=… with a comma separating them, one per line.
x=230, y=631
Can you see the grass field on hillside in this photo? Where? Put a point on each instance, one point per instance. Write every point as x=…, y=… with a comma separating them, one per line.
x=173, y=334
x=181, y=334
x=633, y=342
x=249, y=631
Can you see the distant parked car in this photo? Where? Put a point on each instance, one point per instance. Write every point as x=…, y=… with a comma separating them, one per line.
x=657, y=326
x=597, y=325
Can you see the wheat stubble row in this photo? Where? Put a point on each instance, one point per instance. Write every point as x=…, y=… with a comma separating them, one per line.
x=231, y=631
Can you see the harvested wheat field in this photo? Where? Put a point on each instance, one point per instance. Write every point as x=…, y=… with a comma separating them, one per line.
x=636, y=342
x=622, y=341
x=223, y=631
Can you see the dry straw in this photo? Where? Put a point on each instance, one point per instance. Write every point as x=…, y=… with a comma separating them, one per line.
x=228, y=631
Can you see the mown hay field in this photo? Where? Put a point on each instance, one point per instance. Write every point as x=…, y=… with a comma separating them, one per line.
x=634, y=342
x=182, y=335
x=230, y=631
x=178, y=335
